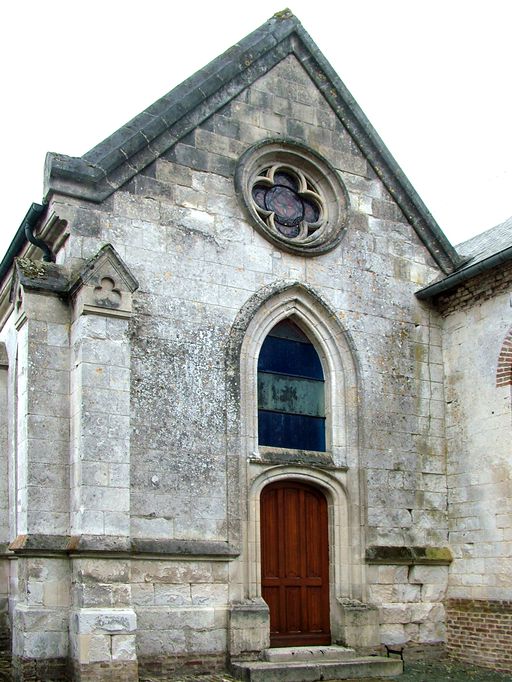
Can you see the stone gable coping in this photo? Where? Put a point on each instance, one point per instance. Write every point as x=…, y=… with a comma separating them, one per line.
x=113, y=162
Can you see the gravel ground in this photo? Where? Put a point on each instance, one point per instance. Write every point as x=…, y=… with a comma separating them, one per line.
x=414, y=672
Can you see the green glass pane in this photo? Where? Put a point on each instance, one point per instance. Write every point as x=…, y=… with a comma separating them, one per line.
x=293, y=395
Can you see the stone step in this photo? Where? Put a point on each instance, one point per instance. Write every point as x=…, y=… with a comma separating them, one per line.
x=308, y=653
x=350, y=669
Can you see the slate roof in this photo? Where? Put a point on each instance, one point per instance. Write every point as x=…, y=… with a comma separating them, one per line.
x=111, y=163
x=487, y=243
x=487, y=250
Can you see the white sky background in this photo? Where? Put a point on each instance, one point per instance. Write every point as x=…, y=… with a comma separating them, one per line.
x=434, y=78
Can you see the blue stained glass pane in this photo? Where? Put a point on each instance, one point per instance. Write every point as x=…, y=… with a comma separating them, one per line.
x=298, y=432
x=289, y=357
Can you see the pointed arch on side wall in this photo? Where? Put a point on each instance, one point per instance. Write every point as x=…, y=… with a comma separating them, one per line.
x=504, y=369
x=320, y=323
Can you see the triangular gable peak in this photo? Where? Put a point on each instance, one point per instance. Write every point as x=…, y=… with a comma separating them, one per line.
x=113, y=162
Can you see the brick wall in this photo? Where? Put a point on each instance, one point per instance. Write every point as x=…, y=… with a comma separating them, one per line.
x=476, y=290
x=480, y=632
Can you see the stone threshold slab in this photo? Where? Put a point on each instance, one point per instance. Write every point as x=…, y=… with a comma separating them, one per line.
x=308, y=653
x=314, y=671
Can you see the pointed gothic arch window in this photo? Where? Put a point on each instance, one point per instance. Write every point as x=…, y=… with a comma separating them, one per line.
x=291, y=393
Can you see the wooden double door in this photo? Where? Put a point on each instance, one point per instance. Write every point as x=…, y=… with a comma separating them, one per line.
x=295, y=563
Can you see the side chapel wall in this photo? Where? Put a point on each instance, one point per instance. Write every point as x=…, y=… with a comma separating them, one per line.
x=479, y=435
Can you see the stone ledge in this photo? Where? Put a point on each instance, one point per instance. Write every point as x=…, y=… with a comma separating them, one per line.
x=77, y=545
x=410, y=556
x=184, y=547
x=272, y=455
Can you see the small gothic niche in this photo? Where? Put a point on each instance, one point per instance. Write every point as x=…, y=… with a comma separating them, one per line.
x=104, y=286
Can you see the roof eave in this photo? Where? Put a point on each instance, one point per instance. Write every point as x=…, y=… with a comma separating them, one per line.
x=461, y=276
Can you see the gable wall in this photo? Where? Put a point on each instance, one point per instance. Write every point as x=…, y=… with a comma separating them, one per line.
x=184, y=234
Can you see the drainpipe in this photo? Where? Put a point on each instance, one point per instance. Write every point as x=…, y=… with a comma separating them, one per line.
x=26, y=233
x=29, y=223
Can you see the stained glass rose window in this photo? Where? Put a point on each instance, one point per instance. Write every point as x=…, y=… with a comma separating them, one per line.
x=287, y=201
x=295, y=197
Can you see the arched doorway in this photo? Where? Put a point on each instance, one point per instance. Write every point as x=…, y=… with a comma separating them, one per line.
x=295, y=563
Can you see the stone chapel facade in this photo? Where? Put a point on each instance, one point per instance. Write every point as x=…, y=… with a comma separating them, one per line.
x=252, y=396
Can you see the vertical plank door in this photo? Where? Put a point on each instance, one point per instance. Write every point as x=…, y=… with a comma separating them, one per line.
x=295, y=563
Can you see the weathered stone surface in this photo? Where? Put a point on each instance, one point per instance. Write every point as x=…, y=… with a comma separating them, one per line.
x=105, y=621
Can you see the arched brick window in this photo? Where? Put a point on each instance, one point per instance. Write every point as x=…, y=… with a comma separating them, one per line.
x=504, y=370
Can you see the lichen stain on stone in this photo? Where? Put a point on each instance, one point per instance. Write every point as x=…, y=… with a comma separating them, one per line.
x=31, y=268
x=438, y=554
x=283, y=14
x=179, y=418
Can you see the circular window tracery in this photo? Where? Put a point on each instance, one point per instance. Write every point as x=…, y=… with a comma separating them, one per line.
x=286, y=201
x=295, y=196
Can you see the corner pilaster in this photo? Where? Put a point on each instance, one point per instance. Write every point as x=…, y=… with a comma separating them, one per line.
x=103, y=622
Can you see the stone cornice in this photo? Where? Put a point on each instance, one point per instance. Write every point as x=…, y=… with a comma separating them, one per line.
x=116, y=546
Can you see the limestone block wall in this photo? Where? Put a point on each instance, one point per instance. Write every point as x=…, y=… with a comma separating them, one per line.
x=38, y=474
x=4, y=430
x=181, y=607
x=479, y=434
x=183, y=231
x=102, y=622
x=42, y=394
x=100, y=462
x=479, y=430
x=411, y=603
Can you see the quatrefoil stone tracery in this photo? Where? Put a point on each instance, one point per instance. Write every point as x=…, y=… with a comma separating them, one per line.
x=287, y=201
x=295, y=197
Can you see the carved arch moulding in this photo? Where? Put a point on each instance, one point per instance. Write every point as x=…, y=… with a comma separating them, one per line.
x=339, y=479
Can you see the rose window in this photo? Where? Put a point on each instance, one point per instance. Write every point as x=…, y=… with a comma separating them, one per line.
x=287, y=201
x=294, y=197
